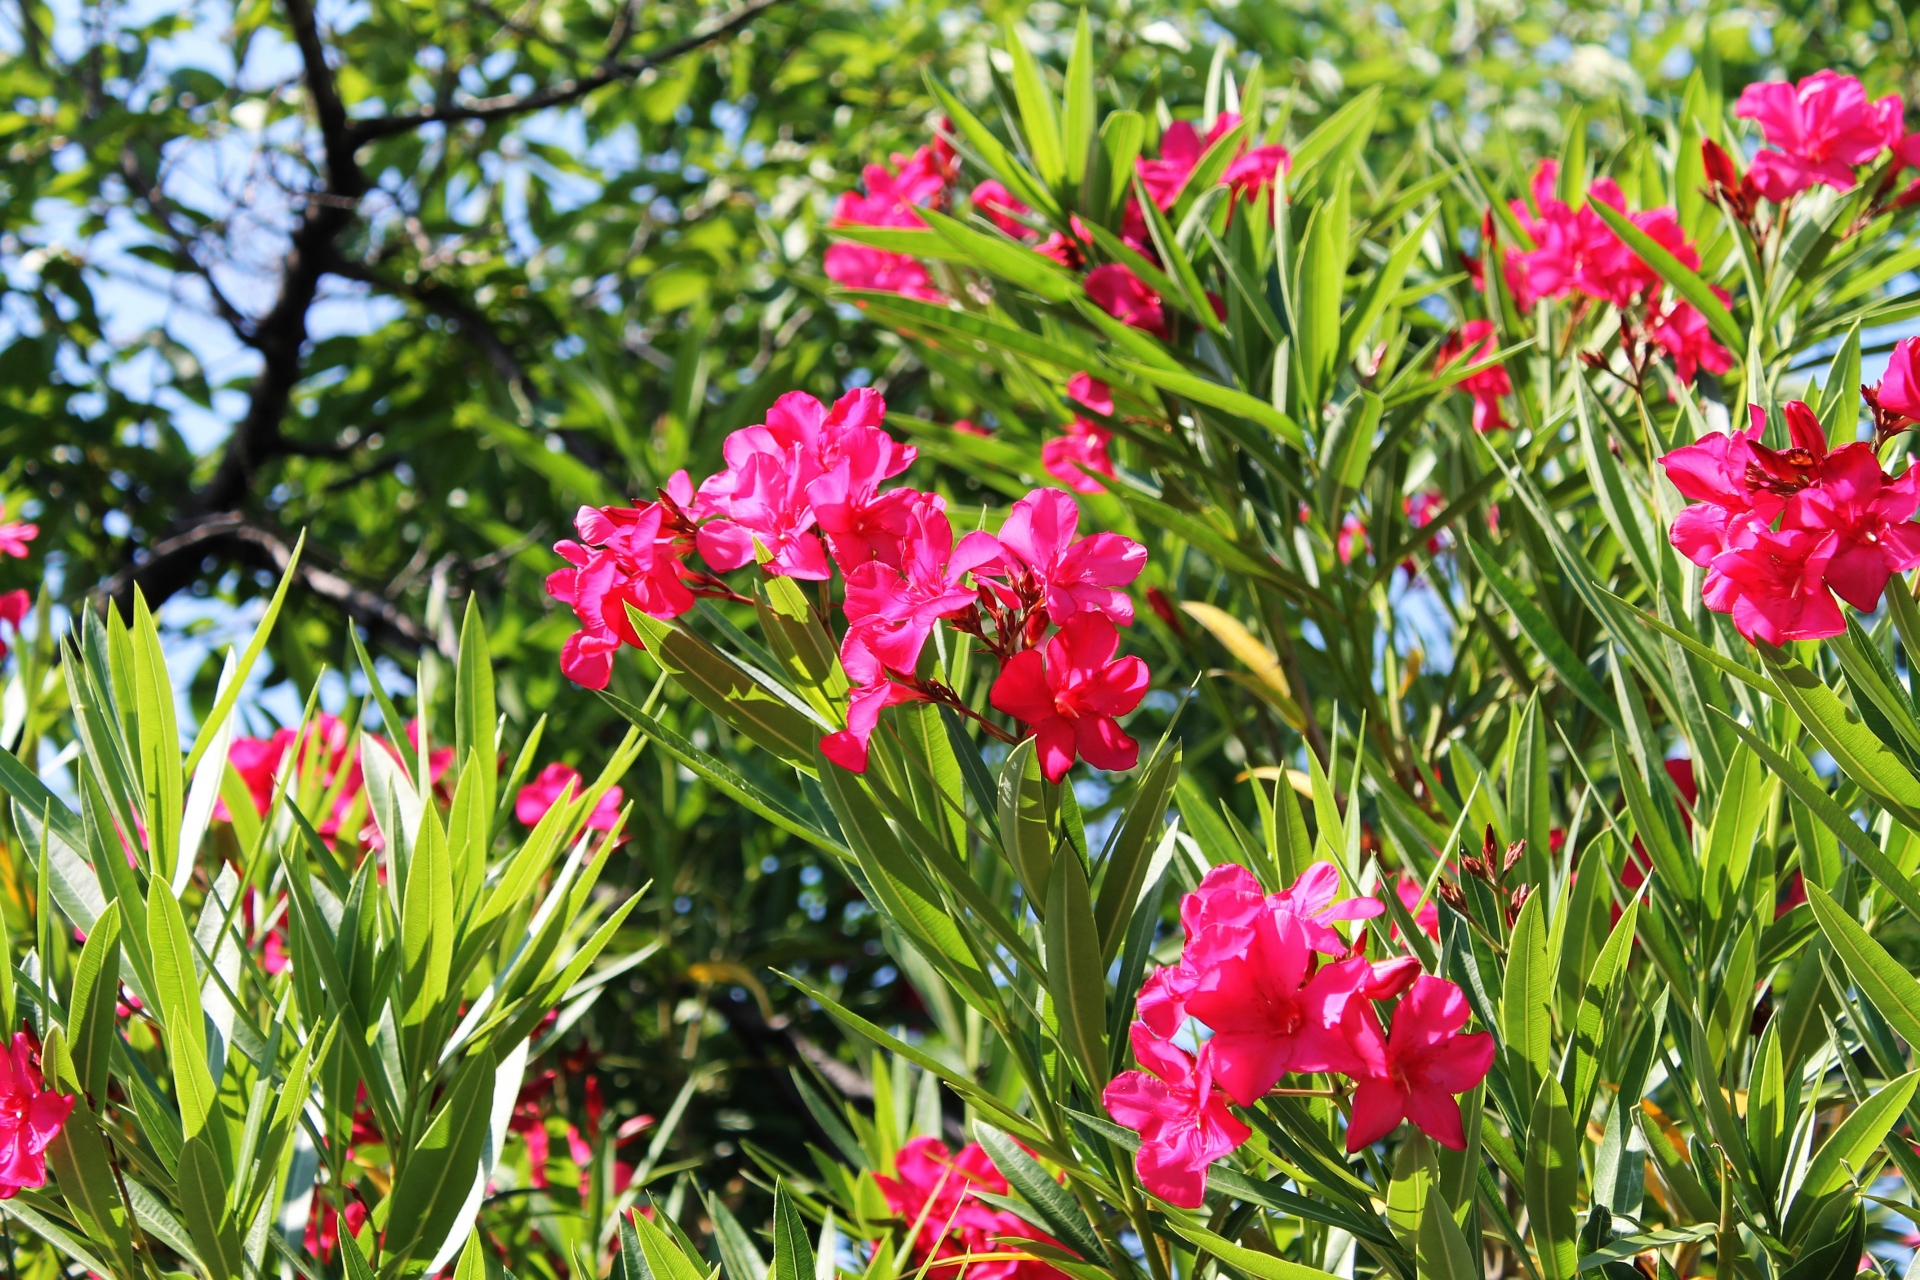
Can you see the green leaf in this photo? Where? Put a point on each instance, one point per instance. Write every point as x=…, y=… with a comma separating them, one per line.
x=629, y=1263
x=1024, y=831
x=1551, y=1180
x=792, y=1250
x=993, y=154
x=436, y=1177
x=426, y=925
x=723, y=688
x=473, y=705
x=1076, y=974
x=1440, y=1250
x=158, y=741
x=1860, y=754
x=1012, y=261
x=1125, y=872
x=256, y=645
x=177, y=989
x=81, y=1167
x=1627, y=1247
x=1684, y=280
x=203, y=1207
x=96, y=990
x=1077, y=134
x=1038, y=119
x=738, y=1253
x=1219, y=396
x=1262, y=1266
x=1835, y=1258
x=1055, y=1205
x=1593, y=1021
x=1526, y=1000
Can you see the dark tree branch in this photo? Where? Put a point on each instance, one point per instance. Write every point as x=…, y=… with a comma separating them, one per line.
x=609, y=72
x=149, y=190
x=177, y=559
x=471, y=323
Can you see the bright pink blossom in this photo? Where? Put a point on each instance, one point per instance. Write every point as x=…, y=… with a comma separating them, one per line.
x=1069, y=458
x=1897, y=394
x=891, y=611
x=1180, y=151
x=1253, y=170
x=1315, y=899
x=1472, y=344
x=872, y=693
x=1428, y=915
x=1070, y=691
x=1818, y=132
x=1352, y=539
x=556, y=782
x=14, y=607
x=1683, y=333
x=1070, y=574
x=1415, y=1071
x=1162, y=1001
x=992, y=199
x=921, y=179
x=625, y=556
x=770, y=507
x=1091, y=393
x=1775, y=587
x=30, y=1115
x=1576, y=252
x=15, y=535
x=1183, y=1122
x=1270, y=1009
x=1120, y=293
x=862, y=266
x=936, y=1197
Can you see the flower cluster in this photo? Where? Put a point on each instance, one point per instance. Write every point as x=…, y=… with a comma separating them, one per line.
x=925, y=178
x=14, y=605
x=1281, y=991
x=1041, y=599
x=326, y=755
x=1576, y=254
x=936, y=1196
x=1819, y=132
x=1782, y=531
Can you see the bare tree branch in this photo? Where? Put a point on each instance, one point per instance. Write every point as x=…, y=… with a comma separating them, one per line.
x=364, y=131
x=232, y=536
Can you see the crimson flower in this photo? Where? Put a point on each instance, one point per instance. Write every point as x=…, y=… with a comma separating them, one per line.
x=1071, y=576
x=1577, y=252
x=1683, y=333
x=1183, y=1122
x=1774, y=586
x=1315, y=900
x=768, y=506
x=1069, y=458
x=1069, y=692
x=625, y=556
x=1818, y=132
x=1414, y=1071
x=557, y=783
x=30, y=1115
x=891, y=611
x=1120, y=293
x=1470, y=345
x=1091, y=393
x=1180, y=150
x=1254, y=169
x=862, y=266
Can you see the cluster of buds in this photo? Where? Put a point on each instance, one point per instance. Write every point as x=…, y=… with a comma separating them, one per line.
x=1491, y=868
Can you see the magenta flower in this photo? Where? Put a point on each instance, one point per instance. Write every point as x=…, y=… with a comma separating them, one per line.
x=1162, y=1000
x=1870, y=518
x=1253, y=170
x=1576, y=252
x=1472, y=344
x=1091, y=393
x=1314, y=899
x=1271, y=1011
x=891, y=611
x=1180, y=150
x=1069, y=458
x=872, y=693
x=936, y=1195
x=15, y=535
x=623, y=558
x=1774, y=585
x=1070, y=576
x=1123, y=295
x=861, y=266
x=557, y=783
x=1415, y=1071
x=1427, y=917
x=999, y=206
x=30, y=1116
x=1818, y=132
x=1897, y=395
x=1352, y=539
x=1070, y=691
x=1683, y=333
x=769, y=506
x=1183, y=1122
x=921, y=179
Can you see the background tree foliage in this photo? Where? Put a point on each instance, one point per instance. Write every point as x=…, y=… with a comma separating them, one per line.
x=420, y=280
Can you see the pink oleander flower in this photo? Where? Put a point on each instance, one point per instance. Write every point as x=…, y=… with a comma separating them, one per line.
x=625, y=556
x=14, y=606
x=1162, y=1000
x=1315, y=899
x=1069, y=458
x=1000, y=207
x=921, y=178
x=861, y=266
x=1091, y=393
x=891, y=611
x=1271, y=1010
x=1470, y=345
x=1683, y=333
x=556, y=783
x=1774, y=586
x=872, y=693
x=1123, y=295
x=1897, y=395
x=1183, y=1122
x=1352, y=540
x=15, y=535
x=968, y=427
x=1871, y=518
x=1253, y=170
x=30, y=1115
x=1427, y=917
x=256, y=760
x=1180, y=150
x=1714, y=473
x=1069, y=693
x=1069, y=574
x=1818, y=132
x=1421, y=509
x=936, y=1196
x=1576, y=252
x=768, y=506
x=1415, y=1071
